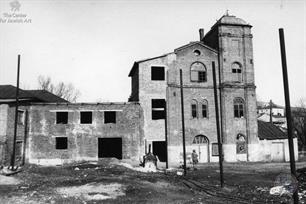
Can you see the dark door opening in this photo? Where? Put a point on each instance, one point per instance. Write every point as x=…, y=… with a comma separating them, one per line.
x=110, y=147
x=160, y=150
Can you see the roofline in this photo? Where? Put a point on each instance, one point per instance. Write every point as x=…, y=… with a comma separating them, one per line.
x=87, y=103
x=193, y=43
x=148, y=59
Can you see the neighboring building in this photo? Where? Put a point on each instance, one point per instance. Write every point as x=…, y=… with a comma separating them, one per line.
x=274, y=143
x=266, y=107
x=7, y=118
x=155, y=85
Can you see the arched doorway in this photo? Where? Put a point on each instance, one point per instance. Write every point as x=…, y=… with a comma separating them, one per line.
x=201, y=146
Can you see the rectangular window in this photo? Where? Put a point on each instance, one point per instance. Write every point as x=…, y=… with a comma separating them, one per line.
x=110, y=117
x=61, y=143
x=238, y=111
x=86, y=117
x=215, y=151
x=20, y=119
x=157, y=73
x=204, y=111
x=61, y=117
x=158, y=109
x=202, y=76
x=193, y=110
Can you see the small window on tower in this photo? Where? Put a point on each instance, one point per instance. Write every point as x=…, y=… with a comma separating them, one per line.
x=157, y=73
x=158, y=109
x=197, y=52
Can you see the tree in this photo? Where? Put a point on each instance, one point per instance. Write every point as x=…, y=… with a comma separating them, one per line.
x=299, y=123
x=66, y=91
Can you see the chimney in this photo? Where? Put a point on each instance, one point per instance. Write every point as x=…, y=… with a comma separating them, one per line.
x=201, y=31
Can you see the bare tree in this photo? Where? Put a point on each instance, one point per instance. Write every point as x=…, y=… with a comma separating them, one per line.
x=66, y=91
x=299, y=122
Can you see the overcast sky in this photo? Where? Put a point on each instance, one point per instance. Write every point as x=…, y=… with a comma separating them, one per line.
x=93, y=44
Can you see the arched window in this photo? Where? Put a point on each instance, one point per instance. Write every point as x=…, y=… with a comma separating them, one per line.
x=241, y=144
x=204, y=109
x=194, y=108
x=237, y=72
x=238, y=108
x=200, y=139
x=198, y=72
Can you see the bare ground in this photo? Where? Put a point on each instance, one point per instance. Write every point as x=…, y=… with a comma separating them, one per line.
x=109, y=181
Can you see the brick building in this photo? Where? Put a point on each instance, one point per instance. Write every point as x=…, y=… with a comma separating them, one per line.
x=155, y=84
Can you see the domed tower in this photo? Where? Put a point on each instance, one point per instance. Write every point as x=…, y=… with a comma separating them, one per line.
x=232, y=38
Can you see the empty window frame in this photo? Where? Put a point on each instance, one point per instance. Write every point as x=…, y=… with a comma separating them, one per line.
x=158, y=109
x=110, y=117
x=194, y=109
x=61, y=143
x=238, y=108
x=204, y=110
x=157, y=73
x=86, y=117
x=198, y=72
x=236, y=70
x=61, y=117
x=20, y=118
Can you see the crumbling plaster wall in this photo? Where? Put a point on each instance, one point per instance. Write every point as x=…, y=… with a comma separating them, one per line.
x=83, y=138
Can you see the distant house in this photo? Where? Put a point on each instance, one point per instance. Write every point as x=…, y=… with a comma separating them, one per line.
x=274, y=143
x=265, y=107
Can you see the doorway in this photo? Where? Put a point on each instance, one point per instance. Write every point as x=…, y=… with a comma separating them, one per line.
x=277, y=152
x=160, y=150
x=200, y=145
x=110, y=147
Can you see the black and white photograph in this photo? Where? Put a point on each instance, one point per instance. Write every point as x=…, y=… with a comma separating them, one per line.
x=152, y=101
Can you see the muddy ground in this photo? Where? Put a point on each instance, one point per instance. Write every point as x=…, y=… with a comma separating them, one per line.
x=113, y=181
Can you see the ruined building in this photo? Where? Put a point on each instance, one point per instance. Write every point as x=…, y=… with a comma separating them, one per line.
x=60, y=132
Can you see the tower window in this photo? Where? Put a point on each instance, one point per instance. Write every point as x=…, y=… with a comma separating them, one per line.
x=194, y=109
x=197, y=52
x=238, y=108
x=198, y=72
x=204, y=109
x=157, y=73
x=158, y=109
x=236, y=70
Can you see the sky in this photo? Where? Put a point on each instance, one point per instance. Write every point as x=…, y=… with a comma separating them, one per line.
x=93, y=44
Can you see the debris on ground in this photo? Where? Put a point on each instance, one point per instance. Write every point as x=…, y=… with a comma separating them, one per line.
x=280, y=190
x=8, y=180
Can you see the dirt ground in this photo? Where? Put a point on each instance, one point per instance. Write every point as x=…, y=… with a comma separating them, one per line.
x=113, y=181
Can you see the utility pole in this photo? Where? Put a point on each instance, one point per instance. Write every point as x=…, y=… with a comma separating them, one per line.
x=166, y=134
x=288, y=110
x=218, y=126
x=16, y=116
x=271, y=111
x=183, y=121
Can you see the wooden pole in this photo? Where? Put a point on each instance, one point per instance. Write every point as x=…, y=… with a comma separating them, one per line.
x=166, y=134
x=16, y=116
x=288, y=110
x=183, y=121
x=271, y=112
x=218, y=126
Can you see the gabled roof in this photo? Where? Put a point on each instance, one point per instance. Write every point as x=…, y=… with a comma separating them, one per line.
x=195, y=43
x=268, y=131
x=135, y=65
x=46, y=96
x=8, y=94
